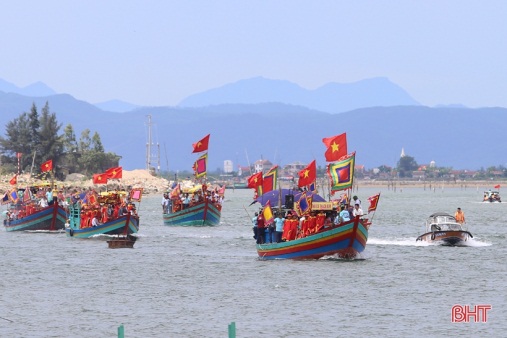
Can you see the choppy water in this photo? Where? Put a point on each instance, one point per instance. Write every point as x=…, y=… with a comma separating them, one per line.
x=193, y=282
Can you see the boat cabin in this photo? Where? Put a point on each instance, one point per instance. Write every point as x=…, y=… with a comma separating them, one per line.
x=442, y=221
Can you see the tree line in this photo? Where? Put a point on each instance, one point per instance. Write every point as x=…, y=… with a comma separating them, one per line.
x=34, y=138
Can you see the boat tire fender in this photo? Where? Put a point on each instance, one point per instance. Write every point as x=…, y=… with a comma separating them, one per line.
x=433, y=236
x=71, y=232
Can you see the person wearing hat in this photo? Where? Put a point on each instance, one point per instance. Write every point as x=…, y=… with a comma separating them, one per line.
x=356, y=200
x=460, y=216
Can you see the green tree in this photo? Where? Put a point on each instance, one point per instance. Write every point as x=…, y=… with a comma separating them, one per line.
x=50, y=144
x=406, y=165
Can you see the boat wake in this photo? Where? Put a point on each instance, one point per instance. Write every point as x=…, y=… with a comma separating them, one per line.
x=472, y=242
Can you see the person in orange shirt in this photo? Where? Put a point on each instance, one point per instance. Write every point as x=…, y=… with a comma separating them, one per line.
x=460, y=216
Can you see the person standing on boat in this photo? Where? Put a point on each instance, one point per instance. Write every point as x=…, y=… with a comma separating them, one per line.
x=344, y=214
x=460, y=216
x=357, y=210
x=49, y=196
x=356, y=200
x=95, y=220
x=165, y=203
x=261, y=229
x=254, y=222
x=279, y=222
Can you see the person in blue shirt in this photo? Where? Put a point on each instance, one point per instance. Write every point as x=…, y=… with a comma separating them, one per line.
x=344, y=215
x=279, y=222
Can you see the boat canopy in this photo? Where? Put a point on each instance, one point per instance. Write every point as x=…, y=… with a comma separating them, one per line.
x=275, y=198
x=442, y=221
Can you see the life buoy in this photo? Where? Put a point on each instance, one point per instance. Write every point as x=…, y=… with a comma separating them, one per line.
x=71, y=232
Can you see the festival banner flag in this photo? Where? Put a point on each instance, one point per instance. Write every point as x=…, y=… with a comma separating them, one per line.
x=341, y=173
x=100, y=178
x=175, y=193
x=269, y=180
x=497, y=186
x=308, y=175
x=13, y=196
x=313, y=188
x=200, y=166
x=47, y=166
x=202, y=145
x=304, y=205
x=92, y=198
x=14, y=180
x=27, y=195
x=336, y=147
x=136, y=194
x=373, y=202
x=5, y=199
x=267, y=212
x=114, y=173
x=255, y=180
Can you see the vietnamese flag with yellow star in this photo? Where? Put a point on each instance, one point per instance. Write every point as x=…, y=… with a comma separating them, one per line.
x=114, y=173
x=308, y=175
x=202, y=145
x=336, y=147
x=100, y=178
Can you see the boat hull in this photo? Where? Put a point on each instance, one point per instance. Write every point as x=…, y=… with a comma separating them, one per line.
x=449, y=237
x=346, y=241
x=201, y=214
x=51, y=218
x=123, y=225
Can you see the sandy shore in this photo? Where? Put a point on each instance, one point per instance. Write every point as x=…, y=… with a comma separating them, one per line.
x=140, y=178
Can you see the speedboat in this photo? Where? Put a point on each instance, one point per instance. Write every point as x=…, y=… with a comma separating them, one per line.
x=442, y=228
x=492, y=196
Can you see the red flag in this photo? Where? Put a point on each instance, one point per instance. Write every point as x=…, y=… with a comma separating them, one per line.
x=202, y=145
x=336, y=147
x=269, y=180
x=114, y=173
x=497, y=186
x=18, y=155
x=47, y=166
x=255, y=180
x=100, y=178
x=373, y=202
x=308, y=175
x=14, y=180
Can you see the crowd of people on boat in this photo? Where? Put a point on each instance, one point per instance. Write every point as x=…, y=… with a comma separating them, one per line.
x=177, y=199
x=287, y=226
x=95, y=208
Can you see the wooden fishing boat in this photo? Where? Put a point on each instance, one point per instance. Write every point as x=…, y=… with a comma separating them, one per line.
x=119, y=242
x=204, y=213
x=123, y=221
x=123, y=225
x=345, y=240
x=194, y=203
x=442, y=228
x=51, y=218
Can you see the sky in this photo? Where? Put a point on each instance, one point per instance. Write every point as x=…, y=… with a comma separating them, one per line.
x=156, y=53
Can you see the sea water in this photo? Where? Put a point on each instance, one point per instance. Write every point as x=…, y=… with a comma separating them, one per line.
x=194, y=282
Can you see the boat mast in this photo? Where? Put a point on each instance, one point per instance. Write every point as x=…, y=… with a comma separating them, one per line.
x=150, y=157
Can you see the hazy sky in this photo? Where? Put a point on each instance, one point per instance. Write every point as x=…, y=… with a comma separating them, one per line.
x=159, y=52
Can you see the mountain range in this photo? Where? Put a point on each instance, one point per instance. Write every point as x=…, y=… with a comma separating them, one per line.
x=281, y=122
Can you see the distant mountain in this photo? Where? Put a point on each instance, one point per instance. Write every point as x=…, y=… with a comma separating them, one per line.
x=455, y=137
x=331, y=98
x=36, y=89
x=116, y=106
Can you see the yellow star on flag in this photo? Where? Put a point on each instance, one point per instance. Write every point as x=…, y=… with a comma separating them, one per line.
x=335, y=147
